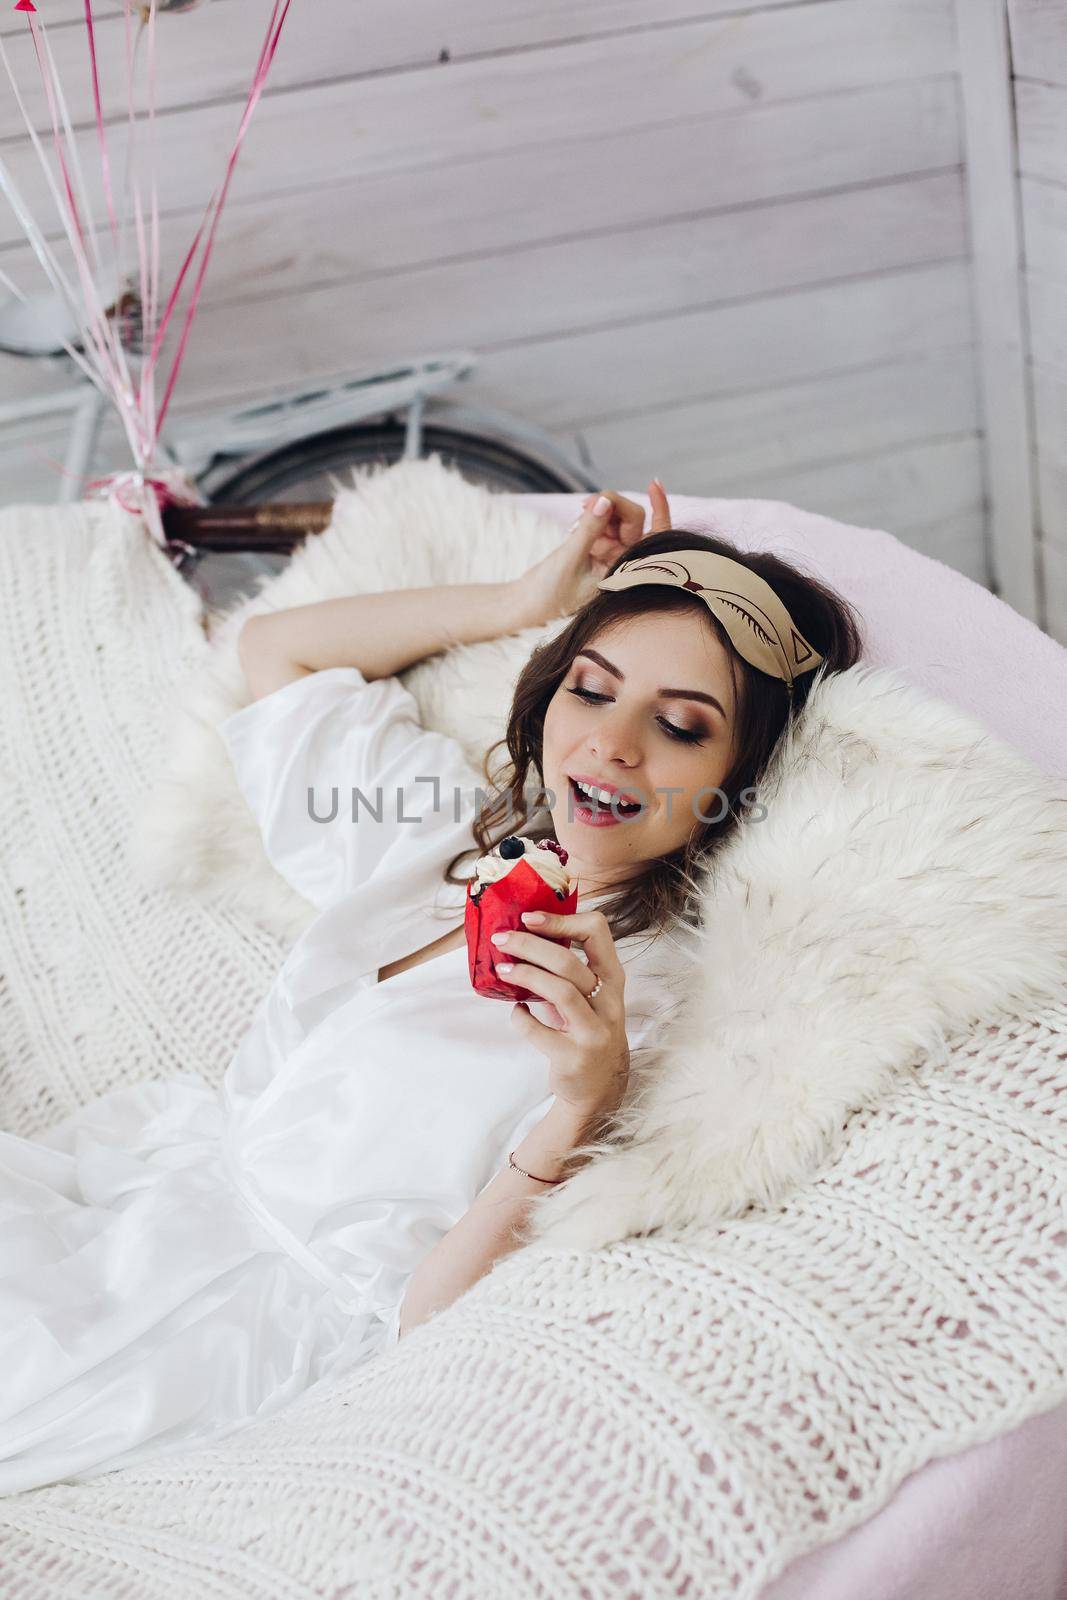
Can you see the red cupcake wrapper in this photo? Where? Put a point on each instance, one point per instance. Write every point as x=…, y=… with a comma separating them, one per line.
x=499, y=908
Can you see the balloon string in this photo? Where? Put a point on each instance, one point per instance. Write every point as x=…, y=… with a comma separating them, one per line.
x=104, y=360
x=94, y=325
x=51, y=461
x=56, y=136
x=49, y=261
x=150, y=364
x=145, y=401
x=105, y=165
x=91, y=317
x=266, y=57
x=72, y=144
x=152, y=275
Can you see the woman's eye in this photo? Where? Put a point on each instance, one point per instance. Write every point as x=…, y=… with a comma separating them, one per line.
x=686, y=735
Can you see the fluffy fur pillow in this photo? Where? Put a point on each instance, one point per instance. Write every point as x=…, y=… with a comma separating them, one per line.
x=907, y=885
x=908, y=881
x=411, y=525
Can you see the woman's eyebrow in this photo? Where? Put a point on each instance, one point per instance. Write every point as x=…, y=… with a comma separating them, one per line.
x=675, y=694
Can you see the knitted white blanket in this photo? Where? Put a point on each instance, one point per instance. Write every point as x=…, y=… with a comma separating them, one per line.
x=101, y=981
x=680, y=1414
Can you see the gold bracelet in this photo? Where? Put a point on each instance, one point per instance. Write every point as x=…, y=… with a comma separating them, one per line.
x=513, y=1164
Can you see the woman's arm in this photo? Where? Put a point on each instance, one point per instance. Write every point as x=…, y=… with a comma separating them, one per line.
x=383, y=633
x=589, y=1057
x=491, y=1228
x=378, y=633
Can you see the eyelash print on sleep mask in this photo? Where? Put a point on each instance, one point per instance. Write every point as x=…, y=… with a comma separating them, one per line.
x=759, y=625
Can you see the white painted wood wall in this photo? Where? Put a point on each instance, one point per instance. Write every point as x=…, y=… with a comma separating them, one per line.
x=721, y=241
x=1039, y=61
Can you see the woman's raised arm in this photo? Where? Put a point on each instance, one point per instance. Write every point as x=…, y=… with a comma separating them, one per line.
x=378, y=633
x=382, y=634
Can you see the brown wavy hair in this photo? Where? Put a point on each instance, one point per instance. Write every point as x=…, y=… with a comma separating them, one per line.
x=665, y=890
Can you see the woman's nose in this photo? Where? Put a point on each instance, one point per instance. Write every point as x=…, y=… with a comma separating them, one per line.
x=614, y=740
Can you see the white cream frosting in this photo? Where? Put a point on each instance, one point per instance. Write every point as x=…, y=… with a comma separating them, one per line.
x=490, y=868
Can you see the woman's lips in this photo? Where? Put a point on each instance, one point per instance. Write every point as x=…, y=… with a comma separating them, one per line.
x=592, y=813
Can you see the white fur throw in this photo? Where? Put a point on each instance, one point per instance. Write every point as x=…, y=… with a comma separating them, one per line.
x=682, y=1414
x=908, y=881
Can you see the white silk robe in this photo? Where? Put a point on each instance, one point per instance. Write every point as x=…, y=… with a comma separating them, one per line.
x=177, y=1260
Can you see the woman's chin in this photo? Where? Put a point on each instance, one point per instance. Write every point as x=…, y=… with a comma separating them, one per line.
x=590, y=841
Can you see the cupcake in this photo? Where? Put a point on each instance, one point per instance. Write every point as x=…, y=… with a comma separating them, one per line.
x=517, y=875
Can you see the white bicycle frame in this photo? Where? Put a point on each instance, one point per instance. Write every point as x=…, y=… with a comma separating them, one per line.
x=285, y=416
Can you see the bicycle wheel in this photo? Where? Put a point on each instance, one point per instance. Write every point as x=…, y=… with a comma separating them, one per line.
x=308, y=470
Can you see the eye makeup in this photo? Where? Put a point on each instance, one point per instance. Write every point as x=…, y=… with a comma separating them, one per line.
x=671, y=729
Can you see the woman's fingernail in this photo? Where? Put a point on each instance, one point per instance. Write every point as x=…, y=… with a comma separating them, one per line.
x=602, y=506
x=533, y=916
x=499, y=938
x=505, y=966
x=658, y=482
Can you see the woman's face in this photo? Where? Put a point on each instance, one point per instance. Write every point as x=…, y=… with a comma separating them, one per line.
x=659, y=729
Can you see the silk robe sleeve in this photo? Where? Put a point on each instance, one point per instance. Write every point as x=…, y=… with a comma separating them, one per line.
x=344, y=780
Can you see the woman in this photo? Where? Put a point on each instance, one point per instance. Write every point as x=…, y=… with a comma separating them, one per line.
x=176, y=1261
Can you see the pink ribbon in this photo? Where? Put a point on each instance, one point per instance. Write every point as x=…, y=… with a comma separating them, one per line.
x=148, y=495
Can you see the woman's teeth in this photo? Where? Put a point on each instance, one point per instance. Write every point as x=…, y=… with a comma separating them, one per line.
x=601, y=797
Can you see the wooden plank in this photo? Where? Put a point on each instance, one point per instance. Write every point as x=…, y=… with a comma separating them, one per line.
x=1048, y=324
x=605, y=280
x=561, y=383
x=439, y=111
x=1050, y=413
x=328, y=242
x=1050, y=407
x=914, y=485
x=1039, y=49
x=1041, y=129
x=1044, y=214
x=959, y=541
x=1054, y=570
x=929, y=495
x=600, y=281
x=624, y=177
x=1052, y=489
x=418, y=31
x=795, y=426
x=923, y=485
x=956, y=538
x=578, y=379
x=570, y=380
x=1039, y=40
x=989, y=141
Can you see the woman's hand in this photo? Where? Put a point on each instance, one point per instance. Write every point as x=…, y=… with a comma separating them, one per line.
x=590, y=1059
x=566, y=578
x=588, y=1051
